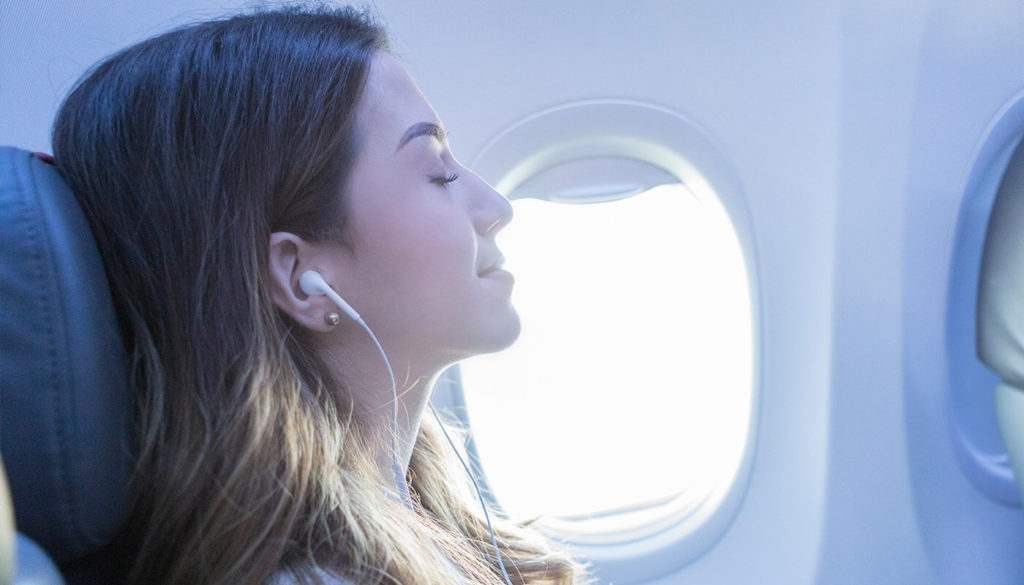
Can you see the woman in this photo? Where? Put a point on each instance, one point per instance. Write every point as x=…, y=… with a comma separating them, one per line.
x=219, y=163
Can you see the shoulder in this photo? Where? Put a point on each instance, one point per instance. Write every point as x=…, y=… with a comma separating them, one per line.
x=326, y=578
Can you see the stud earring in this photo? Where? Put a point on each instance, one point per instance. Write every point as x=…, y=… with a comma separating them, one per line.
x=332, y=319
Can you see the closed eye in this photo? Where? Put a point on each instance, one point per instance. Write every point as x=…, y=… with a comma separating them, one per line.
x=444, y=180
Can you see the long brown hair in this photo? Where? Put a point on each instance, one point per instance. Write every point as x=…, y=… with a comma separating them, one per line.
x=186, y=152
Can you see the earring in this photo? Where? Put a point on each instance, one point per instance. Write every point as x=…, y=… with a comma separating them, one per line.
x=332, y=319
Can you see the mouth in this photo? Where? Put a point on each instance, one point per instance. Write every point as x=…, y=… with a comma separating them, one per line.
x=493, y=267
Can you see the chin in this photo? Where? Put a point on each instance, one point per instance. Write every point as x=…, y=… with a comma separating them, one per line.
x=510, y=335
x=497, y=335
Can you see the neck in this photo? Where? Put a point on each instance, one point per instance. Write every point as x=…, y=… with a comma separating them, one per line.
x=360, y=368
x=412, y=401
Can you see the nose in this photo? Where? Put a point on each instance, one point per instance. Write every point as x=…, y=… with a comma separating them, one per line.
x=492, y=211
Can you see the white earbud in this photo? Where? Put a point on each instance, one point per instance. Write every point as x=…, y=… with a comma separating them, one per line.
x=312, y=283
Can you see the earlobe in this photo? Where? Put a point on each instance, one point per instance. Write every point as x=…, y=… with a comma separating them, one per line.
x=288, y=257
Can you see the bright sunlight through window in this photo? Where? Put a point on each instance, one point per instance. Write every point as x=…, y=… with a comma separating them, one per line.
x=631, y=383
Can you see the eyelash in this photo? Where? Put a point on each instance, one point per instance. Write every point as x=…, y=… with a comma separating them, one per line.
x=445, y=179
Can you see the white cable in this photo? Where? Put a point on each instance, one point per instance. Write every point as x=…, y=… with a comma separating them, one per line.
x=479, y=495
x=310, y=282
x=400, y=482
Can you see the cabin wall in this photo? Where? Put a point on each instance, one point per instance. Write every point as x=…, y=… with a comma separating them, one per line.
x=851, y=128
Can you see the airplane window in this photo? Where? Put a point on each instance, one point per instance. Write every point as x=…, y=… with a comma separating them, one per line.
x=977, y=442
x=626, y=401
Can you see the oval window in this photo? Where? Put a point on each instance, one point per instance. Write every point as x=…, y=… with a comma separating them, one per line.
x=976, y=439
x=625, y=410
x=629, y=389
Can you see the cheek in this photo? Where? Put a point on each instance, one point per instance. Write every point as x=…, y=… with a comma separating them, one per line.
x=436, y=239
x=443, y=264
x=424, y=256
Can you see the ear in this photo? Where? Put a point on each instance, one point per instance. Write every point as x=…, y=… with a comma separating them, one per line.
x=289, y=257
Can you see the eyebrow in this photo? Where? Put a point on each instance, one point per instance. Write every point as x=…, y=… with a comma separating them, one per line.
x=422, y=129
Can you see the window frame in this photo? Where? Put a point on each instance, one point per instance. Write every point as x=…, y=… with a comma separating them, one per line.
x=975, y=437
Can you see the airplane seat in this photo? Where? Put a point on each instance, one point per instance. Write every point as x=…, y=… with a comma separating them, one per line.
x=65, y=410
x=1001, y=309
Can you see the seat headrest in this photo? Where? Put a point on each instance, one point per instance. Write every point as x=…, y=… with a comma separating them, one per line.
x=65, y=411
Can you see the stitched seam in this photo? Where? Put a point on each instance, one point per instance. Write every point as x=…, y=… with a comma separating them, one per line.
x=65, y=494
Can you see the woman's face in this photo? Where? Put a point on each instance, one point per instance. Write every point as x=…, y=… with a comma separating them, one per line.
x=420, y=262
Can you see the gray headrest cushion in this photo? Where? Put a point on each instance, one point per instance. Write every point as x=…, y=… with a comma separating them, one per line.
x=65, y=411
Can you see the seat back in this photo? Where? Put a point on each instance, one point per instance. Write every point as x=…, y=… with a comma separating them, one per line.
x=65, y=411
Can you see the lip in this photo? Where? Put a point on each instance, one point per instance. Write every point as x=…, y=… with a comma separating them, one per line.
x=492, y=267
x=499, y=274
